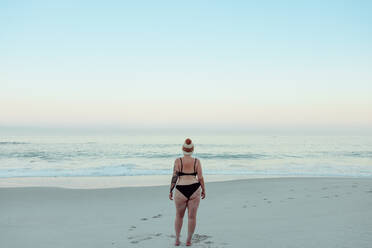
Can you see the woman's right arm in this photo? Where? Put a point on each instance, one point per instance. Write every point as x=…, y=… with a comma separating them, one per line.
x=174, y=180
x=200, y=178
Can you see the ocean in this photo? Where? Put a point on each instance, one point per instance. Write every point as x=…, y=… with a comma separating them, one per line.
x=151, y=154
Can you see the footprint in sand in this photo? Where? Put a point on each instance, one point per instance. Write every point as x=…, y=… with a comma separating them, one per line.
x=140, y=238
x=157, y=216
x=131, y=228
x=244, y=206
x=197, y=238
x=144, y=219
x=369, y=191
x=201, y=240
x=291, y=198
x=324, y=188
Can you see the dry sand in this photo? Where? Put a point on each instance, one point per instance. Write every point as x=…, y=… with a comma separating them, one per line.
x=275, y=212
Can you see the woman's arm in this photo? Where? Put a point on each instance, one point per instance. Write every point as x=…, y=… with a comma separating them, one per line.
x=174, y=180
x=200, y=178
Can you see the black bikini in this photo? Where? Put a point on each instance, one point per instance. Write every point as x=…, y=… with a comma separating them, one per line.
x=189, y=189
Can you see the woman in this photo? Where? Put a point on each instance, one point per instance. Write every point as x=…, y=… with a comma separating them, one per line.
x=188, y=179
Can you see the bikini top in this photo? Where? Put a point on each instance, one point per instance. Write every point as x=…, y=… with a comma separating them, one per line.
x=180, y=173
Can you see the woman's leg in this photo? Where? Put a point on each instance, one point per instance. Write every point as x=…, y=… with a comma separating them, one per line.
x=192, y=208
x=181, y=202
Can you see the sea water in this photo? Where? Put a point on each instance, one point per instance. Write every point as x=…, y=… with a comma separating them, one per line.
x=152, y=154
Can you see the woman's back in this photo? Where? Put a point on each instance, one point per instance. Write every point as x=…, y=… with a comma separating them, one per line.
x=187, y=170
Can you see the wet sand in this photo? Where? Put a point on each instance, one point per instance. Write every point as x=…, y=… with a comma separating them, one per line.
x=274, y=212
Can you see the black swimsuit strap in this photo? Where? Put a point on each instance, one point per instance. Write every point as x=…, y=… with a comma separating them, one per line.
x=182, y=173
x=181, y=164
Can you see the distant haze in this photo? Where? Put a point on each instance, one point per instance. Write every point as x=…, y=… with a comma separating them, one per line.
x=178, y=64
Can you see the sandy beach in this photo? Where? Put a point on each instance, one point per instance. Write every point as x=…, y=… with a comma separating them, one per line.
x=274, y=212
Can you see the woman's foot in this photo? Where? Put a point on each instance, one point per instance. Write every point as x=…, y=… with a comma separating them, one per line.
x=177, y=243
x=188, y=243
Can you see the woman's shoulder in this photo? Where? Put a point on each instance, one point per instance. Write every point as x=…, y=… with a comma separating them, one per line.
x=178, y=161
x=197, y=161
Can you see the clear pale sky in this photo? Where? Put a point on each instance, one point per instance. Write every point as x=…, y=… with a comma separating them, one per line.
x=180, y=63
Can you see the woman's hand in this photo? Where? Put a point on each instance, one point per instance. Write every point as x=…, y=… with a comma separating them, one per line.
x=203, y=194
x=171, y=196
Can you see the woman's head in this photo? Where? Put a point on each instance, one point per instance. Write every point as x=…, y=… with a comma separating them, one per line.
x=188, y=147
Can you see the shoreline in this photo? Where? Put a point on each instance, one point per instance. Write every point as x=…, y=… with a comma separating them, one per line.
x=112, y=182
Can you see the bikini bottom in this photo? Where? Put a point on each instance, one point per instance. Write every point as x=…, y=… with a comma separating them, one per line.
x=189, y=189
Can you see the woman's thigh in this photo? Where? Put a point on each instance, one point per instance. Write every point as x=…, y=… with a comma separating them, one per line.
x=180, y=201
x=193, y=203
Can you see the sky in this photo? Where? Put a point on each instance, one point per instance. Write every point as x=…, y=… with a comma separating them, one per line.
x=201, y=64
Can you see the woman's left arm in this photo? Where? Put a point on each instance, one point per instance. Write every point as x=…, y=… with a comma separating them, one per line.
x=174, y=180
